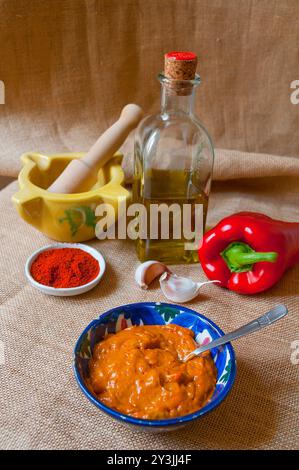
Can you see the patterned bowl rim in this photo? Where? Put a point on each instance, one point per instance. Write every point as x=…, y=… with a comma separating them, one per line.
x=163, y=422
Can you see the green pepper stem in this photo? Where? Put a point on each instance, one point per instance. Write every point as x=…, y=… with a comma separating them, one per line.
x=240, y=257
x=250, y=258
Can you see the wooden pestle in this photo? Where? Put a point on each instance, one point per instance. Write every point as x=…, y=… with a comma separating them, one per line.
x=81, y=174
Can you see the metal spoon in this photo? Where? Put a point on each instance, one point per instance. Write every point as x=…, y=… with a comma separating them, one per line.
x=272, y=316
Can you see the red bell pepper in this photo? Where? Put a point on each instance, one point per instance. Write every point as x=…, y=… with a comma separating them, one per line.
x=249, y=252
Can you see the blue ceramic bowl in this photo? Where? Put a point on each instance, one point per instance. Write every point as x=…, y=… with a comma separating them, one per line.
x=150, y=313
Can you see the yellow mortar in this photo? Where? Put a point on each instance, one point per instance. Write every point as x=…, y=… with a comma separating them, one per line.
x=65, y=217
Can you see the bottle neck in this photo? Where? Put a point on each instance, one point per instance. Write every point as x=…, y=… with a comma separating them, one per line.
x=178, y=96
x=173, y=102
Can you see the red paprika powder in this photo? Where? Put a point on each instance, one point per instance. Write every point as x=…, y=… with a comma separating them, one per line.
x=64, y=267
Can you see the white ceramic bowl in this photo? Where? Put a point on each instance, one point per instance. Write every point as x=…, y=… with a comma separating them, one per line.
x=62, y=292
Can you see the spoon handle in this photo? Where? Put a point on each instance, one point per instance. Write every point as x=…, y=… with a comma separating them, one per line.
x=267, y=319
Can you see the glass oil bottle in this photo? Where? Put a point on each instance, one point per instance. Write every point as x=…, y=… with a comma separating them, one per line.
x=173, y=161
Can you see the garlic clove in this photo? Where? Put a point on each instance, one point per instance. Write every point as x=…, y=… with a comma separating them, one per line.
x=180, y=289
x=148, y=271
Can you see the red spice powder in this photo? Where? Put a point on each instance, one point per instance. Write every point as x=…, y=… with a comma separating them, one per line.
x=64, y=267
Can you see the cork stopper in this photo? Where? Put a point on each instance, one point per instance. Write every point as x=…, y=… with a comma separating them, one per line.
x=180, y=65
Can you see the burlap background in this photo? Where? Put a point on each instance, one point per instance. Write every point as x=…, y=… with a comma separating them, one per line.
x=40, y=403
x=69, y=66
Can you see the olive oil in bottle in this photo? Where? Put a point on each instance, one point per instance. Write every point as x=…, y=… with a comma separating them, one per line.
x=173, y=168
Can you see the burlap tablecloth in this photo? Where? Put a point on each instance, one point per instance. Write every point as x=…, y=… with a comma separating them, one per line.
x=40, y=403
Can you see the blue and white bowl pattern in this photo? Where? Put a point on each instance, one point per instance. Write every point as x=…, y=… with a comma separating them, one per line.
x=150, y=313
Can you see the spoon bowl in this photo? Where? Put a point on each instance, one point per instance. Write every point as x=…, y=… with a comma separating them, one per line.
x=180, y=289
